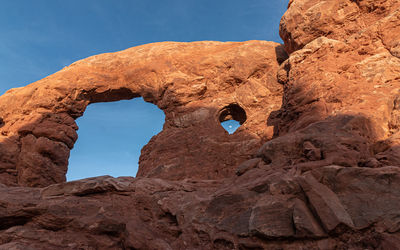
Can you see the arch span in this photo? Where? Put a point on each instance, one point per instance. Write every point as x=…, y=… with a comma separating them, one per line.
x=190, y=82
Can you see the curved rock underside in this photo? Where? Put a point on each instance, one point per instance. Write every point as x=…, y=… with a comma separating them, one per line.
x=315, y=164
x=195, y=84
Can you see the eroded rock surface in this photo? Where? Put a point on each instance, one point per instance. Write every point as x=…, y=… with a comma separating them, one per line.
x=341, y=87
x=332, y=206
x=195, y=84
x=326, y=176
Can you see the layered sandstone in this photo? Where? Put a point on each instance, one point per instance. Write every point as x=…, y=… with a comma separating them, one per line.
x=326, y=176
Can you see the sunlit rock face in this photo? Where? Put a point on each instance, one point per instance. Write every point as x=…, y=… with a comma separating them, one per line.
x=326, y=177
x=341, y=84
x=195, y=84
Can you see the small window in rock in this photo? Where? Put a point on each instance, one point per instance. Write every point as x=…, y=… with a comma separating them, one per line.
x=231, y=117
x=231, y=126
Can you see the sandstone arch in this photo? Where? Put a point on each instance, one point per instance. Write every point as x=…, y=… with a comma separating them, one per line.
x=329, y=179
x=190, y=82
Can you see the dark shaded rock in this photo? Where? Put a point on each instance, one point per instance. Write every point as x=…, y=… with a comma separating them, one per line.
x=325, y=203
x=247, y=165
x=263, y=222
x=305, y=222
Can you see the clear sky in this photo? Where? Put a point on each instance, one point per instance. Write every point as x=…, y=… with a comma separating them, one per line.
x=38, y=38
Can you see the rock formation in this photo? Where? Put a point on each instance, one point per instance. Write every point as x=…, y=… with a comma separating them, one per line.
x=315, y=164
x=197, y=85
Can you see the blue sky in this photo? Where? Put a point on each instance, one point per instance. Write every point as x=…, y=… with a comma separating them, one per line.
x=38, y=38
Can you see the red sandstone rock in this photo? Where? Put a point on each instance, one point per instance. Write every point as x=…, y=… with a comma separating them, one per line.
x=327, y=176
x=343, y=20
x=348, y=104
x=149, y=213
x=197, y=85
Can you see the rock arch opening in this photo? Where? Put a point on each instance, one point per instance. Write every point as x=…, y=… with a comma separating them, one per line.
x=232, y=117
x=111, y=136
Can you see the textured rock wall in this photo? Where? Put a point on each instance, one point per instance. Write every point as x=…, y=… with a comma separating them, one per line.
x=341, y=84
x=327, y=177
x=331, y=207
x=191, y=82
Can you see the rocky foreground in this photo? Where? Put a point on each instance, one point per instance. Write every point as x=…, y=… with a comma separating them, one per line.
x=315, y=164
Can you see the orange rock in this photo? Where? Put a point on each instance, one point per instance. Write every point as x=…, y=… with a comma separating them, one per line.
x=195, y=84
x=316, y=163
